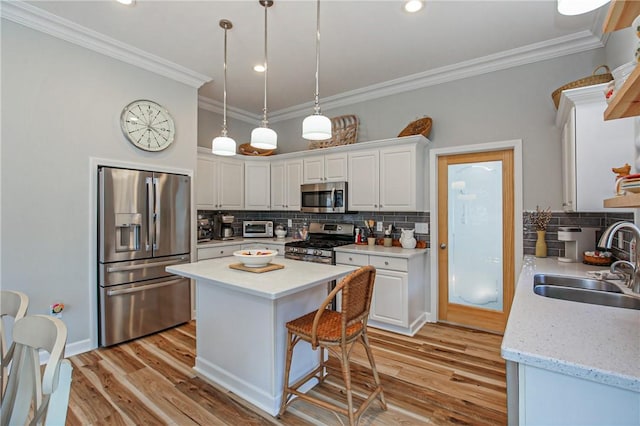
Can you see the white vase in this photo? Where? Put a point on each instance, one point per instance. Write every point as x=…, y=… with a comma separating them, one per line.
x=406, y=239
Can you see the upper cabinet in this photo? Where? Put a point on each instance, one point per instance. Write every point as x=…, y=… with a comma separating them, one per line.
x=590, y=148
x=257, y=185
x=286, y=178
x=325, y=168
x=219, y=183
x=626, y=102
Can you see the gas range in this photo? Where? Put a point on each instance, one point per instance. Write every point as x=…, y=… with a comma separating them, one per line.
x=323, y=238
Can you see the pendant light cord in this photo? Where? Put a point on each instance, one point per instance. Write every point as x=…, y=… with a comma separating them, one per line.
x=317, y=94
x=226, y=26
x=266, y=69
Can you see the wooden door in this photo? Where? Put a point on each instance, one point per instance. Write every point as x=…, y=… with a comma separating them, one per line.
x=475, y=247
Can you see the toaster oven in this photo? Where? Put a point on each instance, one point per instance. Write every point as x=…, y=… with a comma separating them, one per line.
x=257, y=229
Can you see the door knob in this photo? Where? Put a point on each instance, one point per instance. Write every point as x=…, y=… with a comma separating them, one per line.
x=443, y=246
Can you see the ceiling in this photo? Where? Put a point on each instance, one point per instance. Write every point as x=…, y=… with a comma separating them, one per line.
x=365, y=45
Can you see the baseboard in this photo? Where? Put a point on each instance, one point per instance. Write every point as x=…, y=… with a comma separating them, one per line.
x=70, y=349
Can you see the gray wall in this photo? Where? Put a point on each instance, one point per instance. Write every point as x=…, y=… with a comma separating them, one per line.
x=61, y=105
x=210, y=125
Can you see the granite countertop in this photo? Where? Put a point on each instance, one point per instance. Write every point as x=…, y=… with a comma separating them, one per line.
x=294, y=277
x=242, y=240
x=381, y=250
x=598, y=343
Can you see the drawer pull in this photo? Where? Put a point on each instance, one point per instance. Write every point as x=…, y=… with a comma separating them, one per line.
x=386, y=263
x=351, y=259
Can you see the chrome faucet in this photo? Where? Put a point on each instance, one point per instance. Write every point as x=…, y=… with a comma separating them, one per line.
x=607, y=239
x=618, y=267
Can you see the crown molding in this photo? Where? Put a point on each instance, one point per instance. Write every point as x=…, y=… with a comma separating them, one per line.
x=237, y=113
x=561, y=46
x=35, y=18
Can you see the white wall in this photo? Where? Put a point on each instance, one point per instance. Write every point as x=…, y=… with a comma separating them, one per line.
x=61, y=106
x=210, y=125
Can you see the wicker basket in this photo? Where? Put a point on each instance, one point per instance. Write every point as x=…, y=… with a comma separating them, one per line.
x=587, y=81
x=344, y=132
x=247, y=149
x=417, y=127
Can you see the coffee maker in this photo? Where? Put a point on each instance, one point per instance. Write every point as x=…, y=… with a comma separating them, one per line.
x=222, y=226
x=576, y=242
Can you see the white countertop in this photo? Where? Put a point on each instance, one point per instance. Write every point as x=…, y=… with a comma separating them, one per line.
x=382, y=250
x=242, y=240
x=594, y=342
x=294, y=277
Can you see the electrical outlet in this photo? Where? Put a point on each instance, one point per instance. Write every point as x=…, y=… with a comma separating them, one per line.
x=620, y=242
x=289, y=223
x=380, y=228
x=422, y=228
x=55, y=310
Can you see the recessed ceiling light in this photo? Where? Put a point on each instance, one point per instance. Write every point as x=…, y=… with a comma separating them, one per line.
x=258, y=68
x=412, y=6
x=127, y=2
x=577, y=7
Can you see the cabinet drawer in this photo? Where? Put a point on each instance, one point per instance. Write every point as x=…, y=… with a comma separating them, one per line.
x=213, y=252
x=392, y=263
x=352, y=259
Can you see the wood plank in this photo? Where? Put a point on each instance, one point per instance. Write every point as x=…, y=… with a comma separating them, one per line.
x=620, y=15
x=443, y=375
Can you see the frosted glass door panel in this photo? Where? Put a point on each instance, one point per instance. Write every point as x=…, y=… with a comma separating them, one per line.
x=475, y=234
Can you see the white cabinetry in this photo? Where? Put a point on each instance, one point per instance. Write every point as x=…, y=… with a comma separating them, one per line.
x=388, y=179
x=215, y=252
x=551, y=398
x=398, y=302
x=590, y=148
x=264, y=246
x=257, y=185
x=219, y=183
x=325, y=168
x=286, y=177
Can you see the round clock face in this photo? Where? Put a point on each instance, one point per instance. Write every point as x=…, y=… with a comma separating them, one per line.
x=147, y=125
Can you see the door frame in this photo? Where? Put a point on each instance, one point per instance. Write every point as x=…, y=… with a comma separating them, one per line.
x=516, y=145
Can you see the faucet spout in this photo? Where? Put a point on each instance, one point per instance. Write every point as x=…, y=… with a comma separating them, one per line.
x=606, y=240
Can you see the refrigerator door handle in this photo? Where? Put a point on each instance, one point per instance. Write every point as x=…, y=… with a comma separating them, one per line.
x=150, y=212
x=143, y=288
x=156, y=214
x=145, y=265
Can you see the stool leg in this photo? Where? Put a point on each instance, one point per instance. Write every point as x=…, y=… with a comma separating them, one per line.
x=346, y=374
x=374, y=370
x=285, y=384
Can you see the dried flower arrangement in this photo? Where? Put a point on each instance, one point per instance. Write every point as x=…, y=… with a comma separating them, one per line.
x=540, y=218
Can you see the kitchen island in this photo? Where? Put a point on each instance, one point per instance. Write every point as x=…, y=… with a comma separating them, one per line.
x=570, y=362
x=241, y=316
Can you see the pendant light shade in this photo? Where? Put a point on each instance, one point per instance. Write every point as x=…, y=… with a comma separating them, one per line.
x=317, y=127
x=263, y=137
x=223, y=144
x=577, y=7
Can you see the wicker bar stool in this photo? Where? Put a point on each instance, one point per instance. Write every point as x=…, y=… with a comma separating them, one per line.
x=337, y=332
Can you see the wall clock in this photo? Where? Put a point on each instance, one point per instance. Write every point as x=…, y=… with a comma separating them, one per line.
x=147, y=125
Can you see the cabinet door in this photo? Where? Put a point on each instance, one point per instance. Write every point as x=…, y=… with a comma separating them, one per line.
x=215, y=252
x=293, y=180
x=314, y=169
x=398, y=179
x=278, y=186
x=230, y=185
x=364, y=176
x=206, y=196
x=569, y=163
x=257, y=185
x=335, y=167
x=389, y=304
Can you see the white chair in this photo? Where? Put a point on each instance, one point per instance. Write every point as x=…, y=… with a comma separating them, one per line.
x=32, y=398
x=13, y=304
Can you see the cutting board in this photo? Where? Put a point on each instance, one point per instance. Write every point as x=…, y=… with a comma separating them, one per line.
x=266, y=268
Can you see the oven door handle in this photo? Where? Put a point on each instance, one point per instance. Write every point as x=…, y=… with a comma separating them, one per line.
x=333, y=198
x=143, y=288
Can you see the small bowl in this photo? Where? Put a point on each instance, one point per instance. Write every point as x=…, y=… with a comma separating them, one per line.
x=254, y=258
x=280, y=233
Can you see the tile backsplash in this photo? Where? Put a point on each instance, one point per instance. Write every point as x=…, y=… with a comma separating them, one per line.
x=408, y=220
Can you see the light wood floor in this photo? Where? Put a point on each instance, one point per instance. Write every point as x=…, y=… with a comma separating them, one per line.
x=442, y=375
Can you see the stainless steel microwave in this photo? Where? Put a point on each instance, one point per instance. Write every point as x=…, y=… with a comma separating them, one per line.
x=257, y=229
x=330, y=197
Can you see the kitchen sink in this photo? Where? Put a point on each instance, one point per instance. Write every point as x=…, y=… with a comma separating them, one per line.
x=583, y=290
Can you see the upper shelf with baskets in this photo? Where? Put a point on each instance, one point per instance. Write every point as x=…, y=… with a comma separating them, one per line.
x=626, y=102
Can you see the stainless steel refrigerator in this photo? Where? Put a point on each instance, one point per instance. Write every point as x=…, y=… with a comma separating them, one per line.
x=143, y=226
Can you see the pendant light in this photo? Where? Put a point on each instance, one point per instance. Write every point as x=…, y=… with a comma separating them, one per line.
x=577, y=7
x=317, y=127
x=223, y=144
x=263, y=137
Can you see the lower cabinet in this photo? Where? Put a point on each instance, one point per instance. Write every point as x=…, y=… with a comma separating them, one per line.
x=398, y=302
x=215, y=252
